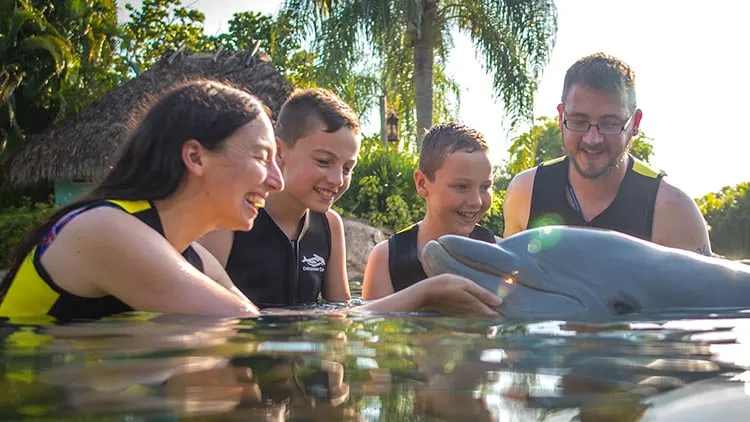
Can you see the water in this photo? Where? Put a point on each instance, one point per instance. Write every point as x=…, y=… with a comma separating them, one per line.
x=314, y=367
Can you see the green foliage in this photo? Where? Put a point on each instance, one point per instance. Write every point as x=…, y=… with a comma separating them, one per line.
x=382, y=189
x=278, y=36
x=542, y=142
x=383, y=192
x=35, y=63
x=727, y=213
x=159, y=26
x=642, y=147
x=91, y=27
x=402, y=39
x=494, y=220
x=16, y=221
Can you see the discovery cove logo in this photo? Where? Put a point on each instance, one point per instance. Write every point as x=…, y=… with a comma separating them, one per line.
x=314, y=263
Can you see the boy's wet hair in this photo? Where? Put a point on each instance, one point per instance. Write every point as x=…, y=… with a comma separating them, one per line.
x=444, y=139
x=306, y=108
x=602, y=73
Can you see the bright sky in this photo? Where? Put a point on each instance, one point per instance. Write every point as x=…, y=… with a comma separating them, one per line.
x=686, y=55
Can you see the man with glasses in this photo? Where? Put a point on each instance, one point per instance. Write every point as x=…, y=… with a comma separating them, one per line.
x=598, y=183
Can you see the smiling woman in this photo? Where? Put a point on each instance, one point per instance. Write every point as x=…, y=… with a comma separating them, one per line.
x=202, y=158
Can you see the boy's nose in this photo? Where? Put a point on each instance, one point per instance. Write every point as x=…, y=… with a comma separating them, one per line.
x=475, y=198
x=335, y=177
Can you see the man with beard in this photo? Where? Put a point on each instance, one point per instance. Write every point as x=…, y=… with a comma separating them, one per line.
x=598, y=183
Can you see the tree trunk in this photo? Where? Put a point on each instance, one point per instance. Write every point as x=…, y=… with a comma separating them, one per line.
x=383, y=123
x=423, y=66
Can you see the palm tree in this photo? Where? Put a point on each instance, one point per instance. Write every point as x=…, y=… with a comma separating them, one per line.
x=513, y=37
x=35, y=61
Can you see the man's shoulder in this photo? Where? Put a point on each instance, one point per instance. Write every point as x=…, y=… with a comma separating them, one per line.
x=678, y=222
x=670, y=196
x=523, y=181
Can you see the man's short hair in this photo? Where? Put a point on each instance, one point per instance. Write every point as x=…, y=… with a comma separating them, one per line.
x=307, y=108
x=602, y=73
x=444, y=139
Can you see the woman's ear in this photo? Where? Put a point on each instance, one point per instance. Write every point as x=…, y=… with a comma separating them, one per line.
x=193, y=155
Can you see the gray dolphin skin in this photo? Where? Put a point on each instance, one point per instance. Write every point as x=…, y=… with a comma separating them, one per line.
x=563, y=272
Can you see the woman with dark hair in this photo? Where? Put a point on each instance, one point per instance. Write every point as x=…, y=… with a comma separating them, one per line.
x=202, y=158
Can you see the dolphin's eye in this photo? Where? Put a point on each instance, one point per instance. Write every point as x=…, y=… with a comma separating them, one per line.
x=622, y=306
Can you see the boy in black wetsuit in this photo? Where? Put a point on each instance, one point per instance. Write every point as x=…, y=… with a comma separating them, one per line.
x=455, y=179
x=296, y=250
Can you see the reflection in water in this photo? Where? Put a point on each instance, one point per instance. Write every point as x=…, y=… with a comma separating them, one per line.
x=314, y=367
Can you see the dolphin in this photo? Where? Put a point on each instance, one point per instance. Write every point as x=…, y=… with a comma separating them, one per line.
x=565, y=272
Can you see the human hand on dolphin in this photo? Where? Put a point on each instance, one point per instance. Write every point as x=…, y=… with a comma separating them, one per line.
x=453, y=294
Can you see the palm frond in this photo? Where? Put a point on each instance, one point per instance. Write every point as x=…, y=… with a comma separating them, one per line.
x=57, y=48
x=515, y=38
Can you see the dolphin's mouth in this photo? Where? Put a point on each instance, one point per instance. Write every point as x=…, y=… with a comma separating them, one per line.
x=498, y=271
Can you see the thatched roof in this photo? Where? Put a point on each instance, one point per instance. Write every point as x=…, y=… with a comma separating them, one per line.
x=82, y=146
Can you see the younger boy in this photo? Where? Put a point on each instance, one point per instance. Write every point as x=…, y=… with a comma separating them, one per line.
x=296, y=249
x=455, y=179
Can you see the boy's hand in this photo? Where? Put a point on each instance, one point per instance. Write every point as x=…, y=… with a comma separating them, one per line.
x=454, y=294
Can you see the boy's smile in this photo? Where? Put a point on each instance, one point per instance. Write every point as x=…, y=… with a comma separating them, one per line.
x=461, y=193
x=318, y=168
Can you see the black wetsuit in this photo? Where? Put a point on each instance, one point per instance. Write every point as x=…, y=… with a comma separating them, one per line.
x=273, y=271
x=631, y=212
x=404, y=265
x=32, y=291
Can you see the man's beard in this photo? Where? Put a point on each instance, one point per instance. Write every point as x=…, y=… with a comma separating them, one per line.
x=593, y=173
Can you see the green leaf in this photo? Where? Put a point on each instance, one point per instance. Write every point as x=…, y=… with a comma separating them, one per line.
x=56, y=47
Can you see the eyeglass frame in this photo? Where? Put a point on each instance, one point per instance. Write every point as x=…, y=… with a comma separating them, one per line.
x=598, y=129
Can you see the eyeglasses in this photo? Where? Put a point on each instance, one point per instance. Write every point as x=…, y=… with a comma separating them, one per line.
x=606, y=128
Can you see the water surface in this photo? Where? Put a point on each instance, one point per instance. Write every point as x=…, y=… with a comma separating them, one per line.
x=407, y=367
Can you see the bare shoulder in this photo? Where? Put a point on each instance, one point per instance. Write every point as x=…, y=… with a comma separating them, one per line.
x=377, y=261
x=219, y=244
x=517, y=203
x=100, y=235
x=672, y=203
x=520, y=188
x=523, y=181
x=336, y=224
x=379, y=251
x=670, y=196
x=336, y=281
x=377, y=280
x=211, y=266
x=677, y=220
x=334, y=218
x=105, y=222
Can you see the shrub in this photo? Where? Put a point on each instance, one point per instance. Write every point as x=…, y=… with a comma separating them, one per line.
x=382, y=189
x=16, y=221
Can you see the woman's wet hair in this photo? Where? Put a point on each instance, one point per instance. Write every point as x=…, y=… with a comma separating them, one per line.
x=150, y=165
